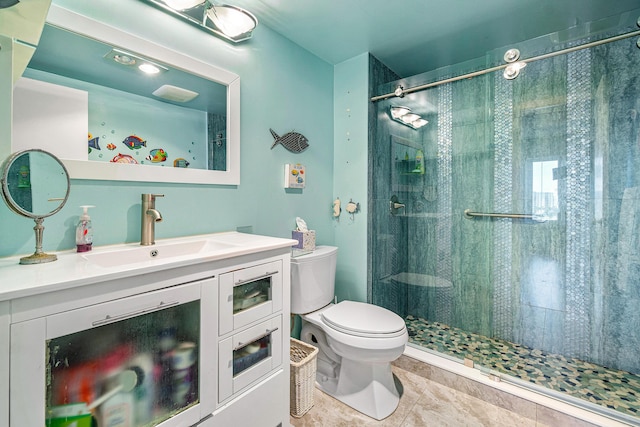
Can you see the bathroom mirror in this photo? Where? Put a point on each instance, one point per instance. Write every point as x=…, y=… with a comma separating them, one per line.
x=139, y=127
x=35, y=184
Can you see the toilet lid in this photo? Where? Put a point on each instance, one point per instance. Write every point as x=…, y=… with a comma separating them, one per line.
x=358, y=318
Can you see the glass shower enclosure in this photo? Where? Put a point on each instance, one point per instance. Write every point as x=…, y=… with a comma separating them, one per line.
x=546, y=292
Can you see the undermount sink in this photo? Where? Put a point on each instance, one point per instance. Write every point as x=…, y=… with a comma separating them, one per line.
x=159, y=251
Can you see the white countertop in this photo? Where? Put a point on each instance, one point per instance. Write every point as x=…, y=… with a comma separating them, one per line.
x=74, y=269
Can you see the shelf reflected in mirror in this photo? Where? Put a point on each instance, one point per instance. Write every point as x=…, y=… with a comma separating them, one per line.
x=172, y=126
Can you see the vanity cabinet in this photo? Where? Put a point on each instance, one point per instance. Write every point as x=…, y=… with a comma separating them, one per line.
x=83, y=354
x=152, y=340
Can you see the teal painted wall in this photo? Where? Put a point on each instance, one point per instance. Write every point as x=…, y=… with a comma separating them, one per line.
x=351, y=89
x=283, y=87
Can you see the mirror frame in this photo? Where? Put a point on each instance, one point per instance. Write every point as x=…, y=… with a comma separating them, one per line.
x=80, y=169
x=8, y=198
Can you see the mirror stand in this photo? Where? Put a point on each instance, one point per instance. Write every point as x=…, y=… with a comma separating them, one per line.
x=38, y=257
x=28, y=180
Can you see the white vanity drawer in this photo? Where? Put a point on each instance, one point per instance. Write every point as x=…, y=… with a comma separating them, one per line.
x=248, y=356
x=248, y=295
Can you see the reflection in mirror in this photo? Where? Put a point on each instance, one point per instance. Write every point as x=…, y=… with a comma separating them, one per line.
x=106, y=119
x=159, y=117
x=35, y=184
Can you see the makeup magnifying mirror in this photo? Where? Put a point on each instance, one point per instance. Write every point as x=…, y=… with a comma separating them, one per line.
x=35, y=184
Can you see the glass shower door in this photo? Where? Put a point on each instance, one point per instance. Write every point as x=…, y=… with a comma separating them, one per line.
x=540, y=297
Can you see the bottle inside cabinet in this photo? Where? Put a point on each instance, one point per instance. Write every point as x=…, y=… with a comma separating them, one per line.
x=134, y=372
x=250, y=294
x=250, y=354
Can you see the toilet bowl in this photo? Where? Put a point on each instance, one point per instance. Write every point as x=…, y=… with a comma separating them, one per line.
x=357, y=341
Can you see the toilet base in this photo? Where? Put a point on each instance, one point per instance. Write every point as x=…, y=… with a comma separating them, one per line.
x=369, y=388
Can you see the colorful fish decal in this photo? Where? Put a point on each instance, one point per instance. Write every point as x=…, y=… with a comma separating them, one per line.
x=124, y=158
x=111, y=146
x=292, y=141
x=157, y=155
x=180, y=163
x=93, y=142
x=134, y=142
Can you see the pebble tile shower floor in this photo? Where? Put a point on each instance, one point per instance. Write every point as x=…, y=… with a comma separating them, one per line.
x=613, y=389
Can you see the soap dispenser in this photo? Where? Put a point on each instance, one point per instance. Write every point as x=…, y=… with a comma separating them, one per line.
x=84, y=231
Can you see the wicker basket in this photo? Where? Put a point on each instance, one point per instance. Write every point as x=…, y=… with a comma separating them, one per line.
x=303, y=377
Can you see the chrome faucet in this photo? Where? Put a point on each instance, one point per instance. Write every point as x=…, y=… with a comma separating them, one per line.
x=149, y=218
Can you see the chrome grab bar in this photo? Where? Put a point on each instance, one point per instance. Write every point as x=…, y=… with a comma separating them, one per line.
x=470, y=215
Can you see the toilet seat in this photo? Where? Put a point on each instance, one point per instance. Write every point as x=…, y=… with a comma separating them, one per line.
x=363, y=320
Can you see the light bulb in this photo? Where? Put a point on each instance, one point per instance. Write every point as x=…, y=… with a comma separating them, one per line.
x=148, y=68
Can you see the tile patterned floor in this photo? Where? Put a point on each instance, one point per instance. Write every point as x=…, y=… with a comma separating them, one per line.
x=423, y=403
x=610, y=388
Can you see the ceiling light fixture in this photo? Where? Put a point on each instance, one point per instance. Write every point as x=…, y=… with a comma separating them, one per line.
x=232, y=21
x=397, y=112
x=148, y=68
x=124, y=59
x=229, y=22
x=131, y=60
x=406, y=117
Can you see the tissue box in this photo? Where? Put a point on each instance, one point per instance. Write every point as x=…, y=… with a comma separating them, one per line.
x=306, y=239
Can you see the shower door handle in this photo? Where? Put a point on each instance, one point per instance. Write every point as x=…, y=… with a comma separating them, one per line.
x=394, y=205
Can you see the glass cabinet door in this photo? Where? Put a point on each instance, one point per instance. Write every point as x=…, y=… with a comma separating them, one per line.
x=137, y=365
x=248, y=295
x=252, y=353
x=248, y=356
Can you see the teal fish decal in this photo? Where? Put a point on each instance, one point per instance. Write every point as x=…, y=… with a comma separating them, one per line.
x=180, y=163
x=134, y=142
x=292, y=141
x=157, y=155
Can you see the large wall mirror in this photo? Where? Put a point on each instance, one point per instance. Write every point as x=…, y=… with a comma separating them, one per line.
x=106, y=119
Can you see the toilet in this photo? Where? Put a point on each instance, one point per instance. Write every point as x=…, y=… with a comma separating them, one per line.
x=357, y=341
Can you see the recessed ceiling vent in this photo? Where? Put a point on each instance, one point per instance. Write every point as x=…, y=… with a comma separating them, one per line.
x=175, y=94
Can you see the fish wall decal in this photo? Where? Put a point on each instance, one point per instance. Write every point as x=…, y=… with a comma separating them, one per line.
x=134, y=142
x=157, y=155
x=292, y=141
x=124, y=158
x=94, y=142
x=181, y=163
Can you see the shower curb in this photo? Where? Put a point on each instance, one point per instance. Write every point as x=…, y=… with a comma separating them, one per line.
x=538, y=407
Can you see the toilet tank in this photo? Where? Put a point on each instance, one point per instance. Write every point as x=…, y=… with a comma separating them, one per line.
x=313, y=279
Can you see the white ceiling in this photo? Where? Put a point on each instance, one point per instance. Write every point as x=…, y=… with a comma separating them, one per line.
x=414, y=36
